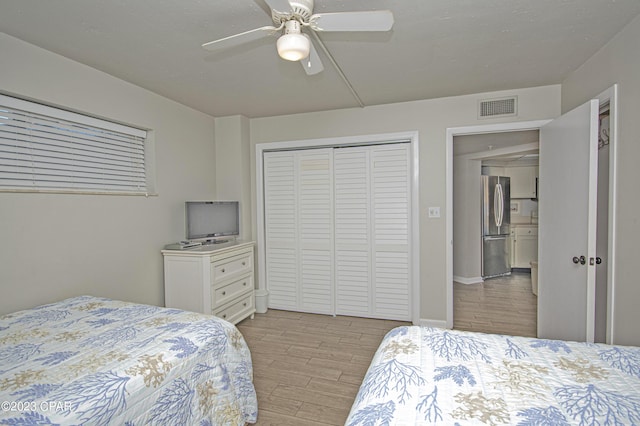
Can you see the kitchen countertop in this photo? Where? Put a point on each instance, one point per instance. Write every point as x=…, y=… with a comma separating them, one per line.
x=524, y=225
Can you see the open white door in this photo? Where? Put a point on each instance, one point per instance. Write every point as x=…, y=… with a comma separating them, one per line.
x=567, y=225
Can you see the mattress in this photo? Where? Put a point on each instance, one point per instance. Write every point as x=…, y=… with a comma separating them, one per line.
x=97, y=361
x=423, y=376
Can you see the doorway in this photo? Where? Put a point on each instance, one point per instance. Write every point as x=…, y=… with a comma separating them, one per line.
x=484, y=301
x=608, y=96
x=500, y=305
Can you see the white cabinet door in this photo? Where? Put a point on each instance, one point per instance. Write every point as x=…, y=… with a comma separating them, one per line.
x=526, y=246
x=493, y=171
x=522, y=181
x=512, y=248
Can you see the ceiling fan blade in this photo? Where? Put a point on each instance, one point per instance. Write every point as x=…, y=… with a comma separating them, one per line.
x=279, y=5
x=375, y=20
x=237, y=39
x=312, y=64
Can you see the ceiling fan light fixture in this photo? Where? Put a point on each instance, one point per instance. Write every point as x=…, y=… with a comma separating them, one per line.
x=293, y=45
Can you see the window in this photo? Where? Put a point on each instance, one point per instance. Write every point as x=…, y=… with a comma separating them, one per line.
x=53, y=150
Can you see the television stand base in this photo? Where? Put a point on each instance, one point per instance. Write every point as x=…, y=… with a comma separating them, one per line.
x=216, y=242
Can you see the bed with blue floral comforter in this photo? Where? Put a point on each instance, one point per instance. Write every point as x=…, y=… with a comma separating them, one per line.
x=423, y=375
x=97, y=361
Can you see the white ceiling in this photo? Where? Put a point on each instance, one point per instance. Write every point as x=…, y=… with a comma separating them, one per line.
x=471, y=144
x=436, y=48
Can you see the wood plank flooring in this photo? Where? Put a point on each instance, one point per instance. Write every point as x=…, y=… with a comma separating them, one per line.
x=503, y=305
x=308, y=368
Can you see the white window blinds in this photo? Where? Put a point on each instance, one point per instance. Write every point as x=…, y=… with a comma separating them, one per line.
x=48, y=149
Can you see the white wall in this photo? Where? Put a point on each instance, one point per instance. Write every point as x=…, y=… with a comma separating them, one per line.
x=619, y=62
x=430, y=118
x=233, y=175
x=467, y=224
x=57, y=245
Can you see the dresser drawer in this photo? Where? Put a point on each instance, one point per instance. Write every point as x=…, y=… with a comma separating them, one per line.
x=226, y=292
x=222, y=270
x=236, y=311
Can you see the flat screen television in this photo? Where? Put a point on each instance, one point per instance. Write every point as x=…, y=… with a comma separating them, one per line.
x=212, y=221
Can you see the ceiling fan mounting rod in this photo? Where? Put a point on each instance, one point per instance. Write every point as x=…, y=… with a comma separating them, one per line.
x=301, y=11
x=291, y=26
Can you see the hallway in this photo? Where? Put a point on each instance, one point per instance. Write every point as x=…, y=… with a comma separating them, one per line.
x=503, y=305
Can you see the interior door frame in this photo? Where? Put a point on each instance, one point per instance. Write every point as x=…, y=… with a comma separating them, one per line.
x=361, y=140
x=461, y=131
x=608, y=96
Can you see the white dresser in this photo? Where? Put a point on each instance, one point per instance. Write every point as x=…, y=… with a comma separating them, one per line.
x=214, y=279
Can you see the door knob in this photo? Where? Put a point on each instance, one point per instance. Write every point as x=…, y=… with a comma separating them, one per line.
x=581, y=260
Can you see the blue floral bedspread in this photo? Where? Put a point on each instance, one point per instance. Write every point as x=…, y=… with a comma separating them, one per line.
x=97, y=361
x=423, y=375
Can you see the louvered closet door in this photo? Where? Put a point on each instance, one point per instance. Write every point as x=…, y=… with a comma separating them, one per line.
x=281, y=229
x=315, y=219
x=372, y=232
x=354, y=293
x=299, y=230
x=391, y=207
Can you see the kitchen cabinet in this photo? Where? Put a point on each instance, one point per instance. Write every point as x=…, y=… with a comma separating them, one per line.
x=493, y=171
x=523, y=181
x=512, y=247
x=525, y=246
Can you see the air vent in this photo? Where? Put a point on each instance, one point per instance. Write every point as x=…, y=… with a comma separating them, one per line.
x=501, y=107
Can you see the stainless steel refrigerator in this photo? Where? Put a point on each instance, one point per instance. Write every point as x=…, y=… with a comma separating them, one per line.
x=496, y=218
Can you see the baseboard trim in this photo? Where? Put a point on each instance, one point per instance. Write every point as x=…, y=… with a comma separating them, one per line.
x=464, y=280
x=432, y=323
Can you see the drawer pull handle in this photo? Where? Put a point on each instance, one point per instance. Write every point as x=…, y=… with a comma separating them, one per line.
x=224, y=293
x=222, y=270
x=244, y=283
x=244, y=304
x=224, y=315
x=244, y=263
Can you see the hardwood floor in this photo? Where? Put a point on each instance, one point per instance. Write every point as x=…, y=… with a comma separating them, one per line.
x=308, y=368
x=504, y=305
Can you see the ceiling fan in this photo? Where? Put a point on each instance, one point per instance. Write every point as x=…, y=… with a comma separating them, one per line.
x=291, y=17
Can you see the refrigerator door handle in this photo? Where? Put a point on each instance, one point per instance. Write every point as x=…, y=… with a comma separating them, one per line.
x=498, y=204
x=496, y=237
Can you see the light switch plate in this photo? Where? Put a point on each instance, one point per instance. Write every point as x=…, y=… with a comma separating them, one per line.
x=434, y=211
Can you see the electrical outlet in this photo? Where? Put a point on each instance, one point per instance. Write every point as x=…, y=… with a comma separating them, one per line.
x=434, y=211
